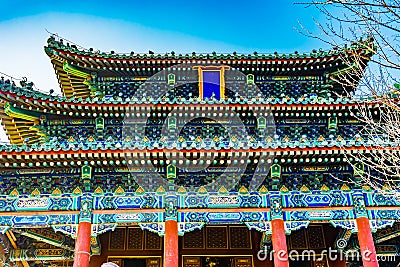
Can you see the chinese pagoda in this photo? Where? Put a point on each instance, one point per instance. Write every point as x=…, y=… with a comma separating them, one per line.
x=192, y=160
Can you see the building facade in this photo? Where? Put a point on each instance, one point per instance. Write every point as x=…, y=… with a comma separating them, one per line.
x=191, y=160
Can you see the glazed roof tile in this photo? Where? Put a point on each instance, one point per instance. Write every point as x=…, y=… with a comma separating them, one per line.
x=57, y=44
x=31, y=94
x=199, y=146
x=75, y=66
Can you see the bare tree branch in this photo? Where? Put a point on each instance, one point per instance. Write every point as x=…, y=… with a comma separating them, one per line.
x=378, y=98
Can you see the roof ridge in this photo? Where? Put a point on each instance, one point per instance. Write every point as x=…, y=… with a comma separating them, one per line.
x=58, y=43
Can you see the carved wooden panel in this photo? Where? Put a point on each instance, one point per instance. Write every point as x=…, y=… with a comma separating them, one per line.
x=48, y=233
x=191, y=262
x=316, y=238
x=119, y=262
x=117, y=239
x=321, y=262
x=136, y=261
x=298, y=239
x=135, y=238
x=387, y=233
x=194, y=240
x=242, y=262
x=217, y=237
x=152, y=241
x=239, y=237
x=153, y=262
x=64, y=263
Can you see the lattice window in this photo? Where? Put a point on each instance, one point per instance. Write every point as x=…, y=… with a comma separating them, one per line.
x=194, y=240
x=117, y=239
x=298, y=239
x=239, y=237
x=153, y=241
x=135, y=238
x=217, y=237
x=316, y=238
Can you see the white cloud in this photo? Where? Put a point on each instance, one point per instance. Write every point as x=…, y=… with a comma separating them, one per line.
x=23, y=39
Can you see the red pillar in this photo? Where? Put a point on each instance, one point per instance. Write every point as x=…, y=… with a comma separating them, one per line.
x=171, y=244
x=82, y=245
x=279, y=243
x=367, y=247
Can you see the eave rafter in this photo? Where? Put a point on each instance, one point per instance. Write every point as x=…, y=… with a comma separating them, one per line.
x=102, y=64
x=75, y=107
x=21, y=126
x=120, y=158
x=71, y=85
x=13, y=243
x=94, y=61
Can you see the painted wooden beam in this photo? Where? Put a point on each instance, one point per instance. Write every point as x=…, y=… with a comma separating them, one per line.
x=48, y=236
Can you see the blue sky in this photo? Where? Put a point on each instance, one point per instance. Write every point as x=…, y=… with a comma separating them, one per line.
x=160, y=26
x=249, y=24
